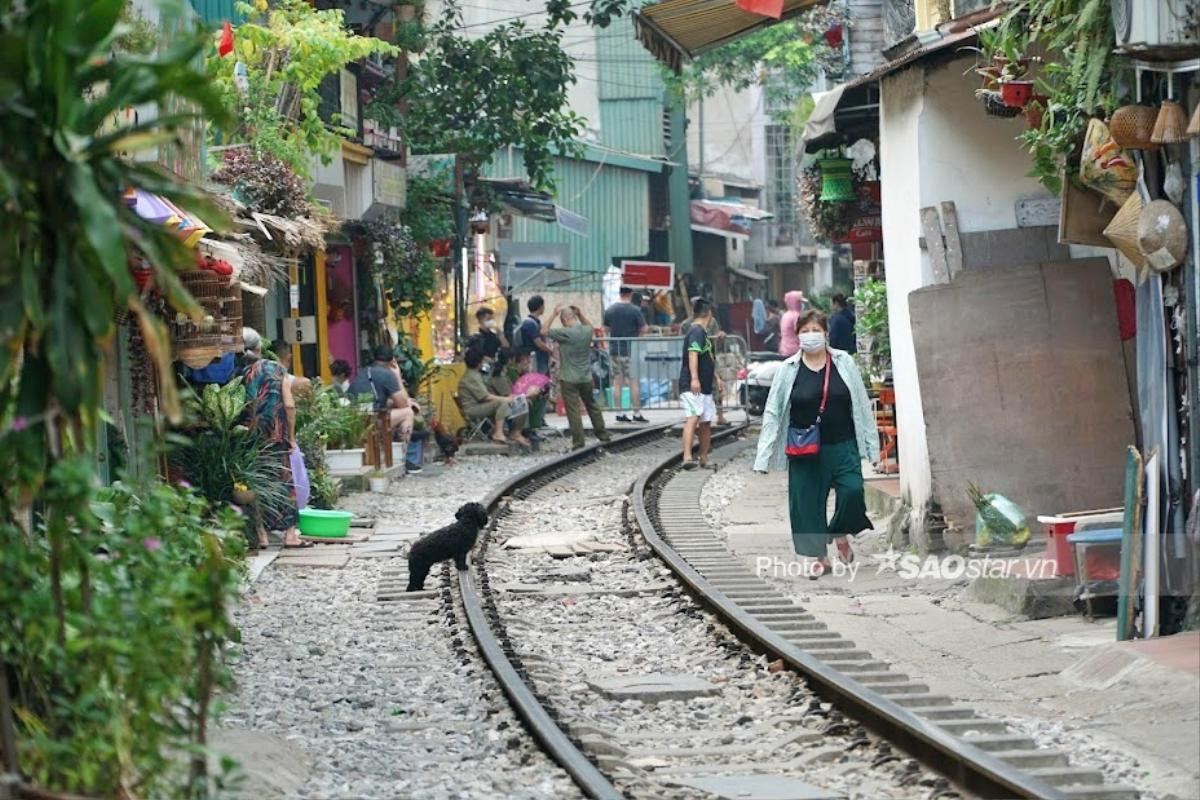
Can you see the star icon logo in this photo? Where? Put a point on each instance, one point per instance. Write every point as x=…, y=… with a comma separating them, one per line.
x=886, y=561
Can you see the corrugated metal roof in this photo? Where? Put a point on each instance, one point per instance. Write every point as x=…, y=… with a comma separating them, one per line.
x=615, y=200
x=630, y=90
x=634, y=125
x=216, y=11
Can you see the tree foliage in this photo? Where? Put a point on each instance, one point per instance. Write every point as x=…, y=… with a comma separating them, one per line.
x=785, y=59
x=287, y=50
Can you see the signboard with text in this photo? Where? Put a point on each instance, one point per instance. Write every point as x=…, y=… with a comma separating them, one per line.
x=648, y=274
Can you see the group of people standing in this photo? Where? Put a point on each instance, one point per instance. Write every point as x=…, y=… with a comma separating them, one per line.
x=777, y=328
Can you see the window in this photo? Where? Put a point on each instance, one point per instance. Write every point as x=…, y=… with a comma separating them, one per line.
x=781, y=183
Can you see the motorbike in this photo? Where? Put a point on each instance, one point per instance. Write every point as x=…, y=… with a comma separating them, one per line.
x=756, y=378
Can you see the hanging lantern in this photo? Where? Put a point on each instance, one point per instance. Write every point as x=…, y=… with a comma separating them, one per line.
x=837, y=184
x=1171, y=125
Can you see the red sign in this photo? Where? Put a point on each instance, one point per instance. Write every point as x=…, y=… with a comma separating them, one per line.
x=868, y=224
x=648, y=274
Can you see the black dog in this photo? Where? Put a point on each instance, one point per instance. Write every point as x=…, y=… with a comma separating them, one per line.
x=453, y=541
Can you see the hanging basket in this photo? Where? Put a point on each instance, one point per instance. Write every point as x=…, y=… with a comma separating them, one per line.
x=1132, y=126
x=837, y=180
x=994, y=106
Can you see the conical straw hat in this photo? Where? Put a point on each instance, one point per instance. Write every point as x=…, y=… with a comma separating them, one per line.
x=1132, y=126
x=1194, y=125
x=1122, y=229
x=1171, y=125
x=1162, y=235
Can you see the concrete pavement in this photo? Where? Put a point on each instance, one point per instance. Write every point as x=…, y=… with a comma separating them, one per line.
x=1133, y=708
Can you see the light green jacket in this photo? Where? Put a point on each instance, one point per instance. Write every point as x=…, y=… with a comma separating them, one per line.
x=776, y=414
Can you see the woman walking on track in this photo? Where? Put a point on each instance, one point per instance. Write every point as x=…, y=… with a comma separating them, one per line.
x=818, y=423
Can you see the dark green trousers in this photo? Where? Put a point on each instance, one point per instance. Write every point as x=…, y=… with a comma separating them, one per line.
x=574, y=394
x=837, y=467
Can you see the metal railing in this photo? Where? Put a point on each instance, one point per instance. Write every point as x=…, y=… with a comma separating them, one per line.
x=652, y=363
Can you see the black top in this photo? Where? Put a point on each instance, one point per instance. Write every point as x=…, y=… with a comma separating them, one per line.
x=489, y=342
x=531, y=331
x=623, y=320
x=837, y=424
x=841, y=331
x=696, y=341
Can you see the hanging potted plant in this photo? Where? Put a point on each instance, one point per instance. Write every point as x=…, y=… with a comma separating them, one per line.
x=828, y=191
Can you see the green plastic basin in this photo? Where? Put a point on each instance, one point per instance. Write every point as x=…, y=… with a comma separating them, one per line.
x=329, y=524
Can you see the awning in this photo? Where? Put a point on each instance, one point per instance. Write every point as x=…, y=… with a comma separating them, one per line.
x=522, y=199
x=674, y=29
x=153, y=208
x=724, y=218
x=748, y=273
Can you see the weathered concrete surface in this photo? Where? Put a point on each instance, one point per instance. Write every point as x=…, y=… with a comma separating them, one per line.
x=270, y=765
x=1057, y=678
x=653, y=688
x=1023, y=387
x=757, y=787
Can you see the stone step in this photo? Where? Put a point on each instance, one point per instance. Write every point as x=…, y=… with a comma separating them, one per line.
x=1067, y=776
x=996, y=742
x=921, y=700
x=883, y=676
x=1033, y=758
x=1114, y=792
x=901, y=688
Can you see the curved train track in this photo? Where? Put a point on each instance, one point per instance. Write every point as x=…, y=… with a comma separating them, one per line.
x=842, y=685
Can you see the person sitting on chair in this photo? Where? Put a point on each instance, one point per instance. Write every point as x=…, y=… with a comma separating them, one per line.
x=479, y=403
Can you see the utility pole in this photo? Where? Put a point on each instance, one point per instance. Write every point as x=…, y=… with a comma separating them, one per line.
x=678, y=193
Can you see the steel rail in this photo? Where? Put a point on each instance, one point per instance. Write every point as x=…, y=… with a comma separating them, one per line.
x=537, y=719
x=972, y=768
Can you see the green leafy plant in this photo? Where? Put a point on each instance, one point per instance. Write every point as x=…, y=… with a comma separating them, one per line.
x=871, y=315
x=476, y=95
x=217, y=452
x=406, y=270
x=785, y=59
x=828, y=220
x=1077, y=75
x=287, y=50
x=263, y=182
x=417, y=372
x=326, y=419
x=114, y=632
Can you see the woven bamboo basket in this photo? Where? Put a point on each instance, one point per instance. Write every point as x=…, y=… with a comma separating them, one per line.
x=1132, y=126
x=1171, y=125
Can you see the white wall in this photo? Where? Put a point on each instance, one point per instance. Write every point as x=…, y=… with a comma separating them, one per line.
x=900, y=106
x=728, y=122
x=969, y=157
x=936, y=144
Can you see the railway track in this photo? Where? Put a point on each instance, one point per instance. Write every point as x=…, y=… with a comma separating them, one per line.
x=792, y=710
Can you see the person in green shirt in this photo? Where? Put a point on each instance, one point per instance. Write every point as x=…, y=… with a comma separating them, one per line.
x=575, y=371
x=478, y=402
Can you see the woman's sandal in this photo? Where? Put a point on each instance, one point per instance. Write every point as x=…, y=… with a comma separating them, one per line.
x=819, y=568
x=301, y=545
x=845, y=551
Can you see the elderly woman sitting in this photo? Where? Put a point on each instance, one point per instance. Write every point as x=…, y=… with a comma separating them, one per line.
x=479, y=403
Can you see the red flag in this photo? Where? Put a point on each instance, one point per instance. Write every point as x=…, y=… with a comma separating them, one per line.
x=225, y=45
x=767, y=8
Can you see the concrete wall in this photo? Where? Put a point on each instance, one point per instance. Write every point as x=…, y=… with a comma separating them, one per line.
x=936, y=144
x=1023, y=387
x=729, y=122
x=967, y=156
x=902, y=101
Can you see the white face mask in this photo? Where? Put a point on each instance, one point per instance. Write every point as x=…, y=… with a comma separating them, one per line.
x=812, y=341
x=489, y=323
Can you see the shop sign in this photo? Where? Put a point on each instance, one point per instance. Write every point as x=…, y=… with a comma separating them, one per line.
x=868, y=223
x=648, y=274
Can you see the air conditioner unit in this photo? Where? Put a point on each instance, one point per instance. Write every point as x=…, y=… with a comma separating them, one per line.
x=1156, y=29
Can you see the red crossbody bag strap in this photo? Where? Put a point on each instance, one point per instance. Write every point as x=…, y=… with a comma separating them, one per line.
x=824, y=391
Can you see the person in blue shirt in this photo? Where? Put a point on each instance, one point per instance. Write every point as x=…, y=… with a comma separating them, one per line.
x=841, y=326
x=532, y=340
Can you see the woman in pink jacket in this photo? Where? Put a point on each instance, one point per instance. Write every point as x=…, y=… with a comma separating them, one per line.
x=788, y=343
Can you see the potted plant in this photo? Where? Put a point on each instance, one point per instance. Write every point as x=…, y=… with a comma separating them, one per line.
x=378, y=481
x=344, y=450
